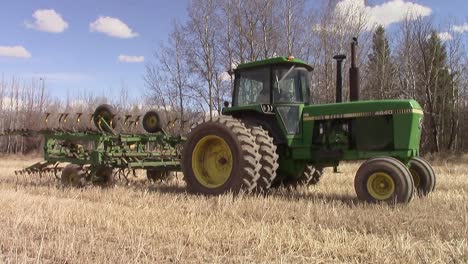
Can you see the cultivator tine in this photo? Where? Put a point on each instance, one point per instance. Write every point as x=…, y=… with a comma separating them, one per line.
x=78, y=117
x=41, y=170
x=63, y=118
x=137, y=120
x=127, y=119
x=47, y=115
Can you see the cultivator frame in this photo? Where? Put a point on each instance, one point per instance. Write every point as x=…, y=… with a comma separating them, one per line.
x=103, y=147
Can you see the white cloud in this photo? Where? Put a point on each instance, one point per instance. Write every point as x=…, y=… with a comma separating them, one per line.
x=385, y=14
x=47, y=20
x=112, y=27
x=445, y=36
x=461, y=28
x=14, y=51
x=131, y=59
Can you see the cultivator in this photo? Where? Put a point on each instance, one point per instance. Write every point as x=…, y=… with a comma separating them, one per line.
x=77, y=153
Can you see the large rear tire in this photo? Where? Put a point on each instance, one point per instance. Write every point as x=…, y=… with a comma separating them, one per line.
x=220, y=156
x=268, y=158
x=384, y=179
x=423, y=176
x=310, y=176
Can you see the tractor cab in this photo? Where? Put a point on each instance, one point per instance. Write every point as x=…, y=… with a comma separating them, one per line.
x=273, y=81
x=280, y=85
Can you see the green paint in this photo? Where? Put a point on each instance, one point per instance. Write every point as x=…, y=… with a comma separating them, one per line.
x=124, y=151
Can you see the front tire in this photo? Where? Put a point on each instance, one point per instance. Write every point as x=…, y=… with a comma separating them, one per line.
x=384, y=180
x=423, y=176
x=220, y=156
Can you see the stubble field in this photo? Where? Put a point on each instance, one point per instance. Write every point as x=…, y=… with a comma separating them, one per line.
x=160, y=223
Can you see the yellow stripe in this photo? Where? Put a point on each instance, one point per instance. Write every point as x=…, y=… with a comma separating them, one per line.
x=364, y=114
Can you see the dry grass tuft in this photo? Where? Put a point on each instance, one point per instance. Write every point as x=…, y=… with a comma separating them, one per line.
x=161, y=223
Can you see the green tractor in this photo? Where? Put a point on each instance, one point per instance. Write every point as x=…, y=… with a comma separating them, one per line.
x=272, y=135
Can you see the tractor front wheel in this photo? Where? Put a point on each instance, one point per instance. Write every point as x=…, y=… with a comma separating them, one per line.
x=384, y=180
x=423, y=176
x=219, y=156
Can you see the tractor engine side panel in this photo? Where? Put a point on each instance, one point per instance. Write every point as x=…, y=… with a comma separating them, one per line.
x=372, y=133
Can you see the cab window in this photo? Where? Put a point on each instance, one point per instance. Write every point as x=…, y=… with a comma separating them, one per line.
x=252, y=86
x=291, y=84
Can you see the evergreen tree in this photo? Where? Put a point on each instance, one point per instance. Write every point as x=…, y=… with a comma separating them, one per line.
x=441, y=95
x=380, y=67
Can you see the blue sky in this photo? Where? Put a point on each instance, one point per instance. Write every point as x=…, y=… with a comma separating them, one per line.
x=77, y=59
x=71, y=55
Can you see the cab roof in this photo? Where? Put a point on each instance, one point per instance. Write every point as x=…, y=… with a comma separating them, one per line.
x=274, y=61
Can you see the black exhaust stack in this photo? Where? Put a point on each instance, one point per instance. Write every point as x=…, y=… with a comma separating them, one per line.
x=339, y=77
x=353, y=74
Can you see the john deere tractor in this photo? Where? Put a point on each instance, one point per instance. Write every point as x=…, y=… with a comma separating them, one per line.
x=272, y=135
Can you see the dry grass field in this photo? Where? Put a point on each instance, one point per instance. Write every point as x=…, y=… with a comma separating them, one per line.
x=160, y=223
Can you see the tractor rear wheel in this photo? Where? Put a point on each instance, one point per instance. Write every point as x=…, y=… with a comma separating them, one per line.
x=310, y=176
x=73, y=175
x=268, y=160
x=384, y=179
x=423, y=176
x=219, y=156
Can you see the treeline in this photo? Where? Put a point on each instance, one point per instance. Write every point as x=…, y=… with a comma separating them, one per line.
x=412, y=61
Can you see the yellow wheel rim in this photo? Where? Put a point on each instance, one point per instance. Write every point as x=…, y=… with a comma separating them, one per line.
x=416, y=177
x=212, y=161
x=152, y=121
x=380, y=186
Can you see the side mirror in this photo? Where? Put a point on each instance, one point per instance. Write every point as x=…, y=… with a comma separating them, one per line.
x=226, y=104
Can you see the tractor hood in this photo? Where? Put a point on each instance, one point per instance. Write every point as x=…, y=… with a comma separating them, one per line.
x=387, y=125
x=361, y=109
